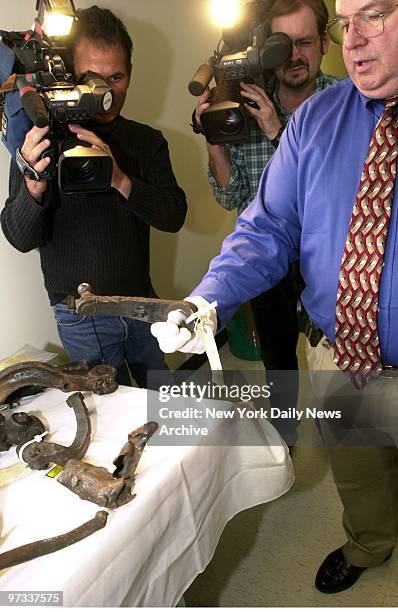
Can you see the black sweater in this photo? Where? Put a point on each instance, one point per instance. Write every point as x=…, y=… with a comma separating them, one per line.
x=102, y=239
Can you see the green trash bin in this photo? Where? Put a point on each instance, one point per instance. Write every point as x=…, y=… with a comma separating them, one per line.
x=242, y=335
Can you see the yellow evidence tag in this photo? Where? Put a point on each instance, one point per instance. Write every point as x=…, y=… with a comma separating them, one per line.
x=55, y=470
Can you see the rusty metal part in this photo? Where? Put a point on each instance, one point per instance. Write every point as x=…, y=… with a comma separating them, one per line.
x=129, y=457
x=97, y=485
x=27, y=552
x=38, y=455
x=150, y=310
x=18, y=428
x=68, y=377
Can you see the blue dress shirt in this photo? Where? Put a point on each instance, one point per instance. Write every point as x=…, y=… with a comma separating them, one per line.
x=302, y=210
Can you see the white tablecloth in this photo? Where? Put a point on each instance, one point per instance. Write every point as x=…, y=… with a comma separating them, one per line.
x=151, y=549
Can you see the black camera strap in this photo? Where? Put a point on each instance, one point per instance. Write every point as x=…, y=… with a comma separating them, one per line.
x=27, y=170
x=195, y=125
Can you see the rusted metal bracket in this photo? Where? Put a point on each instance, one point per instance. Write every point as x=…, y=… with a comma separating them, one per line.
x=68, y=377
x=38, y=455
x=27, y=552
x=150, y=310
x=97, y=485
x=129, y=457
x=18, y=428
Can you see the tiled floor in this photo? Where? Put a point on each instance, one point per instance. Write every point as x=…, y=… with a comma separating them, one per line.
x=268, y=555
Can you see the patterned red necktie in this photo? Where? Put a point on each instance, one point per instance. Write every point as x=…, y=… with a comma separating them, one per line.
x=357, y=349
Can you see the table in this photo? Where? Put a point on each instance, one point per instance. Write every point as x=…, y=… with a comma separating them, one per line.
x=152, y=548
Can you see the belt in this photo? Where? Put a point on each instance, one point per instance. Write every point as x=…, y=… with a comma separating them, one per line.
x=69, y=300
x=305, y=325
x=389, y=371
x=311, y=331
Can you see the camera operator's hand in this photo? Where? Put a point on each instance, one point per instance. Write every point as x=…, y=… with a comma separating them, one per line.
x=203, y=104
x=120, y=181
x=266, y=116
x=34, y=145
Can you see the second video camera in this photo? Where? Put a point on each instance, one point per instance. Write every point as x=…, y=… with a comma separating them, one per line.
x=247, y=54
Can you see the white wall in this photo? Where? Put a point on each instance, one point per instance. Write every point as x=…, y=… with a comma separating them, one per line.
x=171, y=38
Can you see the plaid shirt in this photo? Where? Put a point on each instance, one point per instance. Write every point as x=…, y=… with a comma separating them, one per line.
x=249, y=159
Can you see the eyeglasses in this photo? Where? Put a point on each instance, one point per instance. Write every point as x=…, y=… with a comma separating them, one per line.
x=369, y=23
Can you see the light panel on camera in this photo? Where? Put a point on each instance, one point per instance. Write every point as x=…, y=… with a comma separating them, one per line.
x=225, y=13
x=56, y=16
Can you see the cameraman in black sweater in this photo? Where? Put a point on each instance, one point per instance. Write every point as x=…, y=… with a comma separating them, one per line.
x=102, y=239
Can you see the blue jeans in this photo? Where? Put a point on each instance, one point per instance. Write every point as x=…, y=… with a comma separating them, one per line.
x=110, y=339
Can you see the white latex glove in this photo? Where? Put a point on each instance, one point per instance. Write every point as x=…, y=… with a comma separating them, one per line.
x=172, y=337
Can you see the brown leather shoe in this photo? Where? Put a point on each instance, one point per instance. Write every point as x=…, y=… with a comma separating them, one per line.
x=336, y=574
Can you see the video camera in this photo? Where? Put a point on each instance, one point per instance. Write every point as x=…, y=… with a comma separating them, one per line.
x=247, y=55
x=45, y=94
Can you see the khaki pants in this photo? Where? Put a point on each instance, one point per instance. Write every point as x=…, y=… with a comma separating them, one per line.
x=362, y=453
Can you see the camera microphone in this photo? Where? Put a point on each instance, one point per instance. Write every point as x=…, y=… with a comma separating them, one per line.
x=32, y=103
x=201, y=78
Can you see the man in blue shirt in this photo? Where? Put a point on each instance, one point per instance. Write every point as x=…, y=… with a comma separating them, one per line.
x=302, y=211
x=235, y=170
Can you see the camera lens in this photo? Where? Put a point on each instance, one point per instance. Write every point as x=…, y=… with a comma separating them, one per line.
x=225, y=122
x=81, y=170
x=230, y=122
